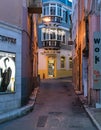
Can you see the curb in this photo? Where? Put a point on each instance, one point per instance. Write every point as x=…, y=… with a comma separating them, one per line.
x=20, y=111
x=94, y=121
x=92, y=118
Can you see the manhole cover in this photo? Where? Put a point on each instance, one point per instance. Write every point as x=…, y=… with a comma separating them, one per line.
x=55, y=113
x=75, y=126
x=42, y=121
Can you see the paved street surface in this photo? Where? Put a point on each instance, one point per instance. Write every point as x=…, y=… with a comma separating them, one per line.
x=56, y=108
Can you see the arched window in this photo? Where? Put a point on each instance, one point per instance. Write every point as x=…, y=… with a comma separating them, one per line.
x=62, y=62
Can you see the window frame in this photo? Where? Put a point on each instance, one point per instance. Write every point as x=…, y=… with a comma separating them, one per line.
x=70, y=63
x=62, y=62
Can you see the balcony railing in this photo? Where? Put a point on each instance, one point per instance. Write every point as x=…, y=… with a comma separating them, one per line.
x=55, y=45
x=35, y=6
x=55, y=19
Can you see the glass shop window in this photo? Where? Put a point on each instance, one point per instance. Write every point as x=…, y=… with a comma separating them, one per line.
x=62, y=62
x=70, y=62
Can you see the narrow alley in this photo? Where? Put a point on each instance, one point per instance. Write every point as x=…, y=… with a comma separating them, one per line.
x=56, y=108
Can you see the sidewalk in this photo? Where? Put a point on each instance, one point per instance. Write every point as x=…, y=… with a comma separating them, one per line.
x=20, y=111
x=94, y=113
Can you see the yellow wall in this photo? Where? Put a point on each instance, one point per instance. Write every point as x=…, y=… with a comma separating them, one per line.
x=63, y=73
x=42, y=73
x=59, y=73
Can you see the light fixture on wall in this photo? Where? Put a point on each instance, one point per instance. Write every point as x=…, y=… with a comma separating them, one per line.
x=46, y=19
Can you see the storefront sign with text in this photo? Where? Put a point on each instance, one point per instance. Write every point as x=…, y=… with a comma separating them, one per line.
x=97, y=61
x=7, y=39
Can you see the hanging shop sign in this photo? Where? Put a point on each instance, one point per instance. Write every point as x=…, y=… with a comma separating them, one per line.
x=97, y=61
x=7, y=72
x=7, y=39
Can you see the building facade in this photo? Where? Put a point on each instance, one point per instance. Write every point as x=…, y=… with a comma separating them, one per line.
x=16, y=53
x=75, y=40
x=55, y=57
x=87, y=79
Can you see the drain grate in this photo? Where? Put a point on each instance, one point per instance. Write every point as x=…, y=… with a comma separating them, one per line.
x=42, y=121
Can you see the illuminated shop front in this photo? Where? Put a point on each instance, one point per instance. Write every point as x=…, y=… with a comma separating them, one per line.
x=7, y=72
x=10, y=67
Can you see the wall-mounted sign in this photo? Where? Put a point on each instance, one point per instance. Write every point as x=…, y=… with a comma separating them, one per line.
x=7, y=39
x=97, y=61
x=7, y=72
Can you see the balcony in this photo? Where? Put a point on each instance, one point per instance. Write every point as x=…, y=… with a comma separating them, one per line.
x=51, y=45
x=35, y=6
x=49, y=19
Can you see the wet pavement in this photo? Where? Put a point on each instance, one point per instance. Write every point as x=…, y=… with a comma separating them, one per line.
x=56, y=108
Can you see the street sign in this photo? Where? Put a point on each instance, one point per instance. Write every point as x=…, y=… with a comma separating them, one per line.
x=97, y=61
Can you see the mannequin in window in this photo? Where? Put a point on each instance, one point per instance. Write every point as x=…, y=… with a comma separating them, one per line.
x=6, y=75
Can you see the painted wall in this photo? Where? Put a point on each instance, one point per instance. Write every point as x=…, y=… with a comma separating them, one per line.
x=26, y=71
x=43, y=65
x=65, y=71
x=9, y=101
x=16, y=14
x=11, y=11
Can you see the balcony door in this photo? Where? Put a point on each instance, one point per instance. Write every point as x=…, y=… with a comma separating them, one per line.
x=51, y=67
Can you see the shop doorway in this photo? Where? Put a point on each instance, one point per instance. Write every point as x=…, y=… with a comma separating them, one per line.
x=51, y=67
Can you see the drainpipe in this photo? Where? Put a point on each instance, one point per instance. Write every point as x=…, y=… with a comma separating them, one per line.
x=35, y=49
x=35, y=52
